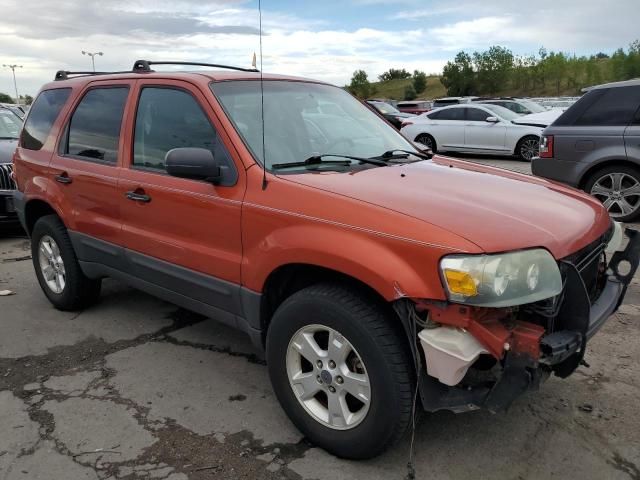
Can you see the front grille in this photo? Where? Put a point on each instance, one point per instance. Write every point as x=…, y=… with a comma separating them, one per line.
x=590, y=262
x=6, y=182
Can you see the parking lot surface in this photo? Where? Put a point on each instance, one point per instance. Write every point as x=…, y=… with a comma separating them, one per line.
x=135, y=388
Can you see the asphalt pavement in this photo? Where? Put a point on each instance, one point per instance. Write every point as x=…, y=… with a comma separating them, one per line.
x=136, y=388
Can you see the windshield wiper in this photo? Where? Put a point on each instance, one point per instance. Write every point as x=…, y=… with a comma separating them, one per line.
x=8, y=138
x=394, y=154
x=315, y=160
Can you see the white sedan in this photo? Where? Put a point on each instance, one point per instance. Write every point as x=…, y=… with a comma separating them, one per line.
x=474, y=128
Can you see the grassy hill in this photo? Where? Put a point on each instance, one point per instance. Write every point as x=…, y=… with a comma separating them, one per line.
x=394, y=89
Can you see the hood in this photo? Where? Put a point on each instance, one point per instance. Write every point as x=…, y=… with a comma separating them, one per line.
x=7, y=147
x=495, y=209
x=542, y=119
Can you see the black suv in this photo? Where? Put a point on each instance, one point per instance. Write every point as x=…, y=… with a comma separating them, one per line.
x=595, y=146
x=10, y=126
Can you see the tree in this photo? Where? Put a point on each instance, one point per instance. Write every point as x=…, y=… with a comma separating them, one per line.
x=410, y=93
x=394, y=74
x=26, y=99
x=458, y=76
x=419, y=81
x=360, y=85
x=493, y=68
x=4, y=98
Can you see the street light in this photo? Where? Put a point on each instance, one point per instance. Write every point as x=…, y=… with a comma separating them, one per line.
x=92, y=55
x=15, y=85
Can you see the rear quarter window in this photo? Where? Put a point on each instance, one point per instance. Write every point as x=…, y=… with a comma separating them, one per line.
x=42, y=116
x=603, y=107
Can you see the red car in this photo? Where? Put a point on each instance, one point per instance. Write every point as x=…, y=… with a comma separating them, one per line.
x=415, y=106
x=371, y=276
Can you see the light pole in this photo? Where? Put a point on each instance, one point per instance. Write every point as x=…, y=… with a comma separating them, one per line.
x=92, y=55
x=15, y=85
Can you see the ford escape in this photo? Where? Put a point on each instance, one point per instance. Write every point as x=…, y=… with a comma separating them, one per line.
x=371, y=275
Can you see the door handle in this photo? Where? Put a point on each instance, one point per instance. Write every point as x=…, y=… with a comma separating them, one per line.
x=138, y=197
x=63, y=178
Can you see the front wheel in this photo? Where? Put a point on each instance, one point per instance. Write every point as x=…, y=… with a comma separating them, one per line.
x=528, y=147
x=341, y=370
x=57, y=267
x=428, y=141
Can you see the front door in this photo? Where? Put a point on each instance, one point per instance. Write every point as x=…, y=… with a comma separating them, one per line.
x=482, y=135
x=181, y=234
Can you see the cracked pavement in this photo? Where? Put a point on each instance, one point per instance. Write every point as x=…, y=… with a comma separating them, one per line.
x=135, y=388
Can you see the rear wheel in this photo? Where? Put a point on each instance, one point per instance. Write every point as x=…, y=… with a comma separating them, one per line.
x=428, y=141
x=57, y=267
x=340, y=370
x=528, y=147
x=618, y=188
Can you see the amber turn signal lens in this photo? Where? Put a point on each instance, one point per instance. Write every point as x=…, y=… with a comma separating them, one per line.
x=460, y=282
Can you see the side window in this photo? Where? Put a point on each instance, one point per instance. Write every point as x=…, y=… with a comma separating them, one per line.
x=452, y=114
x=94, y=129
x=615, y=107
x=476, y=114
x=434, y=115
x=42, y=116
x=169, y=118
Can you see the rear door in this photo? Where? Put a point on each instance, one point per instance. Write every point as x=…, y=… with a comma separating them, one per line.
x=632, y=139
x=482, y=135
x=447, y=127
x=85, y=170
x=184, y=236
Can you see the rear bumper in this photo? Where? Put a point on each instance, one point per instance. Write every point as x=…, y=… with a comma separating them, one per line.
x=563, y=171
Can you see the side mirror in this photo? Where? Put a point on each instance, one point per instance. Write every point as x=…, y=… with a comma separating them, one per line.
x=193, y=163
x=492, y=119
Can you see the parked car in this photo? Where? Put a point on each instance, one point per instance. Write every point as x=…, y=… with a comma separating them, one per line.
x=343, y=252
x=520, y=106
x=415, y=107
x=19, y=110
x=393, y=115
x=10, y=126
x=446, y=101
x=595, y=146
x=474, y=128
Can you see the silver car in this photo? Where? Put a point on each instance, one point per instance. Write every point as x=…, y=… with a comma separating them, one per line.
x=595, y=146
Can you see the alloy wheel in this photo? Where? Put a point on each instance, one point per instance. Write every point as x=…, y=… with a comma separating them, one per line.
x=328, y=377
x=529, y=148
x=618, y=192
x=51, y=264
x=426, y=141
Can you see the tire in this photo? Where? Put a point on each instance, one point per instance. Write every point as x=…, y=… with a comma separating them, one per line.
x=379, y=351
x=428, y=141
x=622, y=207
x=525, y=150
x=66, y=287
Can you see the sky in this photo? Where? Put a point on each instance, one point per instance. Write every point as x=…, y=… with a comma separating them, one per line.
x=321, y=39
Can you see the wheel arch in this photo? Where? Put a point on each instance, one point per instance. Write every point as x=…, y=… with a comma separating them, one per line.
x=35, y=209
x=586, y=175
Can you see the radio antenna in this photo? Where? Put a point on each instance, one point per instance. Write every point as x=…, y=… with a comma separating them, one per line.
x=264, y=152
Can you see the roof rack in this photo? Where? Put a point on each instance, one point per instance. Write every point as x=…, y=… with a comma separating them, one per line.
x=144, y=66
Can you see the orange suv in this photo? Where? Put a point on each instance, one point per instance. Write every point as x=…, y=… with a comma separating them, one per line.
x=373, y=276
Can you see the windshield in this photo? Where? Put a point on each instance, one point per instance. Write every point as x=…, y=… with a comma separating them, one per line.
x=384, y=107
x=303, y=119
x=502, y=112
x=10, y=124
x=533, y=106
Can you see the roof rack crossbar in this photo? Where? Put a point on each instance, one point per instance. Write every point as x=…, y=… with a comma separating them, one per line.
x=145, y=66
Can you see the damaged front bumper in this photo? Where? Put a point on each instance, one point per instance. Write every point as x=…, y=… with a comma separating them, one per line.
x=525, y=353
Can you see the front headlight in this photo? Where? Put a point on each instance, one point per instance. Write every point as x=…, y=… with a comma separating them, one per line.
x=502, y=280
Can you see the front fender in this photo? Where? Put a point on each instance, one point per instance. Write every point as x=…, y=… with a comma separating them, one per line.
x=391, y=266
